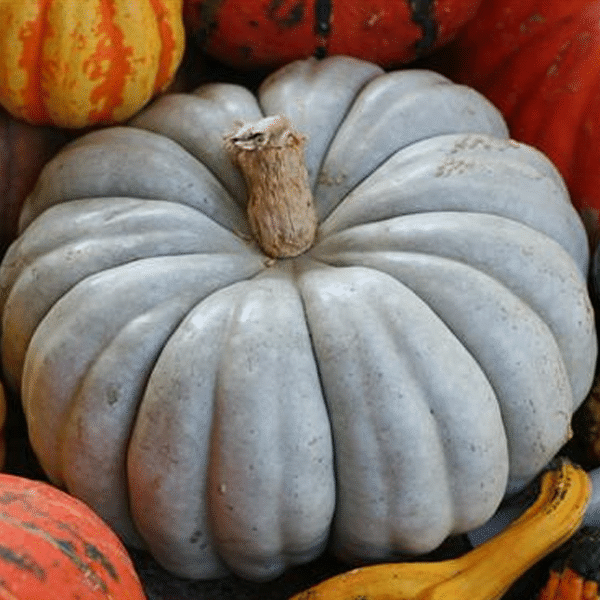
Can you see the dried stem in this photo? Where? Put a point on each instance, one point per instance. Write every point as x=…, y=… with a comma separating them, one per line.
x=270, y=155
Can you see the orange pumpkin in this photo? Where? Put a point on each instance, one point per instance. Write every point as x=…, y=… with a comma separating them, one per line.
x=75, y=63
x=269, y=33
x=54, y=547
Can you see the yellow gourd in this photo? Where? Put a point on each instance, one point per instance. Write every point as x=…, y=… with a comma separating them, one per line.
x=484, y=573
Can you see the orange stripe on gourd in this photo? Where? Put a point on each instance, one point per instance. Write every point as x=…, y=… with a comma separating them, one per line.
x=32, y=36
x=172, y=40
x=109, y=66
x=20, y=49
x=67, y=48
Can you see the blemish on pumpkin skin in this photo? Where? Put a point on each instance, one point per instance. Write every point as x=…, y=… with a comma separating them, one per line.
x=112, y=396
x=206, y=14
x=69, y=550
x=93, y=553
x=288, y=17
x=453, y=167
x=8, y=498
x=526, y=26
x=24, y=562
x=245, y=52
x=372, y=20
x=196, y=537
x=66, y=547
x=470, y=143
x=325, y=178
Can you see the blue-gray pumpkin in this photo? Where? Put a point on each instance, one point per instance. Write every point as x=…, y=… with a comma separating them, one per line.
x=233, y=409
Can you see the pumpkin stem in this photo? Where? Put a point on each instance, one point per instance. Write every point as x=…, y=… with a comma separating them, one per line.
x=270, y=155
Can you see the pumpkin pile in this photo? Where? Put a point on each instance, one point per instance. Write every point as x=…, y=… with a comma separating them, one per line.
x=341, y=309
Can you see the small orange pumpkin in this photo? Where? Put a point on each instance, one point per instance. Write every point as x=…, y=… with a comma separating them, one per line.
x=75, y=63
x=54, y=547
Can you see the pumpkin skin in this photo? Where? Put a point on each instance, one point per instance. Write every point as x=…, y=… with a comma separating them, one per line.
x=75, y=64
x=260, y=33
x=24, y=149
x=2, y=426
x=438, y=335
x=55, y=547
x=538, y=63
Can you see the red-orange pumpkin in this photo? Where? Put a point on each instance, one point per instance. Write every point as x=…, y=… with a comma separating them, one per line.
x=53, y=547
x=24, y=149
x=538, y=61
x=2, y=426
x=75, y=63
x=269, y=33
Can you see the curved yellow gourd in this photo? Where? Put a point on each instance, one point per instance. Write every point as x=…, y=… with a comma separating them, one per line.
x=85, y=62
x=484, y=573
